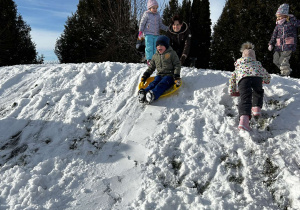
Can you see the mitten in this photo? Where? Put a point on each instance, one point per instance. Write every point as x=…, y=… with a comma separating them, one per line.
x=235, y=94
x=270, y=48
x=145, y=77
x=182, y=59
x=140, y=35
x=177, y=79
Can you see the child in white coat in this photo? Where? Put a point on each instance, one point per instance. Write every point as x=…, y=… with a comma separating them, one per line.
x=246, y=81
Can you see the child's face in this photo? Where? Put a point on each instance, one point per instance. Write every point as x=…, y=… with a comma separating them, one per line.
x=154, y=9
x=161, y=49
x=279, y=17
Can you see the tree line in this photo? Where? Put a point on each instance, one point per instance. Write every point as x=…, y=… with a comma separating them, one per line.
x=105, y=30
x=16, y=46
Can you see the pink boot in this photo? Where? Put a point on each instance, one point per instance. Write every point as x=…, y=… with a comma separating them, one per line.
x=256, y=111
x=244, y=123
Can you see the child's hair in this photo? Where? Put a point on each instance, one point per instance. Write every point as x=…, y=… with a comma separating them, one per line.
x=247, y=45
x=247, y=50
x=176, y=18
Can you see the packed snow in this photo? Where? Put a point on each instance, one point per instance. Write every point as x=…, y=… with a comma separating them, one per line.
x=73, y=136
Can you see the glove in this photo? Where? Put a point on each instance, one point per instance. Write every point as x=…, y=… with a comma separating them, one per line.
x=177, y=80
x=182, y=59
x=235, y=94
x=140, y=35
x=266, y=82
x=270, y=48
x=145, y=77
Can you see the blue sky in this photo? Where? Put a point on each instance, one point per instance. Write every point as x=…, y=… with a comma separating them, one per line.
x=47, y=20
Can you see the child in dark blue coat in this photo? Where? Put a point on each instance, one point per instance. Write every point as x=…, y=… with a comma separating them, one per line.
x=284, y=39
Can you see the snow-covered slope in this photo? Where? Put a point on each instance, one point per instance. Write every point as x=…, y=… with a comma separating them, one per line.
x=73, y=136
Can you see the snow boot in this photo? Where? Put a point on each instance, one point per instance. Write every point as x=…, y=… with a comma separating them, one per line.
x=244, y=123
x=285, y=71
x=142, y=95
x=149, y=97
x=256, y=111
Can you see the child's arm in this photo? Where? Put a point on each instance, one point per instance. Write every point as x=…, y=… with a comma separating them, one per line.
x=232, y=85
x=143, y=22
x=273, y=37
x=162, y=26
x=266, y=77
x=151, y=67
x=176, y=63
x=297, y=23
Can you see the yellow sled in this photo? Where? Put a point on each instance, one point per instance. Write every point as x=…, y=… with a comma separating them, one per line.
x=168, y=92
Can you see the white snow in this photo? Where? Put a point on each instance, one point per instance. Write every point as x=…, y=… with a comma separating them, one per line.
x=73, y=136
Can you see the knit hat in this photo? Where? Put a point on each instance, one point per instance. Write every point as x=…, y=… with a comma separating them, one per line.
x=283, y=9
x=151, y=3
x=163, y=40
x=247, y=50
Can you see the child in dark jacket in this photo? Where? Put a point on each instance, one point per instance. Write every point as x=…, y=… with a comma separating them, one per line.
x=167, y=63
x=284, y=38
x=246, y=82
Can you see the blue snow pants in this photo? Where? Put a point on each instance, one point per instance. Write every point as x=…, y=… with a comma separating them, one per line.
x=150, y=42
x=159, y=85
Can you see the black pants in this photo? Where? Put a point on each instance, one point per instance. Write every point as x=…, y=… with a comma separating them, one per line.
x=251, y=94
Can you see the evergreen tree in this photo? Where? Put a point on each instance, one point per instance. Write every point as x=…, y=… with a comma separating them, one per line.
x=186, y=11
x=169, y=11
x=99, y=31
x=201, y=33
x=16, y=46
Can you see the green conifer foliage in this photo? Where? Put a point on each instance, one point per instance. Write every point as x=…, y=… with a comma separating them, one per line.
x=186, y=11
x=99, y=31
x=201, y=32
x=169, y=11
x=16, y=46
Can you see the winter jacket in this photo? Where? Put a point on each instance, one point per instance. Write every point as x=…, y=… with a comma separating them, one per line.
x=284, y=36
x=151, y=23
x=247, y=67
x=180, y=41
x=167, y=64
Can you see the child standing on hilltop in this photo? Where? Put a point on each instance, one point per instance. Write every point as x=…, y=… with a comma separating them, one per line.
x=150, y=25
x=246, y=82
x=167, y=63
x=284, y=38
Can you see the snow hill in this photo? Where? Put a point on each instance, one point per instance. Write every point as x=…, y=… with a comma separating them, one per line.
x=73, y=136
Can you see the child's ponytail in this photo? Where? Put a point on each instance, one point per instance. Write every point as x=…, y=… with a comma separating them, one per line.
x=247, y=45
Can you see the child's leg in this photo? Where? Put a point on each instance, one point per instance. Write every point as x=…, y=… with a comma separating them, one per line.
x=258, y=92
x=152, y=85
x=285, y=62
x=150, y=41
x=154, y=45
x=276, y=57
x=162, y=86
x=245, y=103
